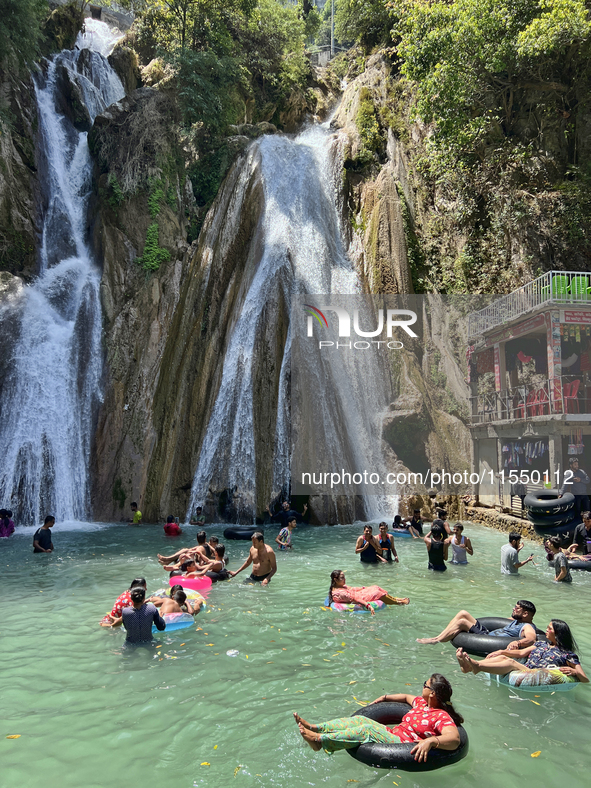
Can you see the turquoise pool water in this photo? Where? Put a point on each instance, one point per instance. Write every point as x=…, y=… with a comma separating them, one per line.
x=91, y=715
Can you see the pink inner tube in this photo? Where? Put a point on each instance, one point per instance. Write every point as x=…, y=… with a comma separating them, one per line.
x=194, y=583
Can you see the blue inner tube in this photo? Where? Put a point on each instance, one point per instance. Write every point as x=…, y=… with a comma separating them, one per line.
x=241, y=532
x=401, y=533
x=397, y=756
x=483, y=645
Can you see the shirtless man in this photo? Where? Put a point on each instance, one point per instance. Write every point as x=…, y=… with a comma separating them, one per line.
x=262, y=558
x=202, y=552
x=174, y=603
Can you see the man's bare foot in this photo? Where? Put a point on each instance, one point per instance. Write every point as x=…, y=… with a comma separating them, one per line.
x=467, y=664
x=403, y=600
x=430, y=641
x=311, y=738
x=303, y=722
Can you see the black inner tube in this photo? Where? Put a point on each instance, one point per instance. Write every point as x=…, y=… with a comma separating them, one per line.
x=483, y=645
x=241, y=532
x=397, y=756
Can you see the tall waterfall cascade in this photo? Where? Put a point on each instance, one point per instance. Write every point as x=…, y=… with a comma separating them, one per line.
x=46, y=420
x=300, y=245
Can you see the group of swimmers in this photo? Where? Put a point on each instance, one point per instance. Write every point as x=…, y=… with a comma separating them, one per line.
x=432, y=722
x=372, y=549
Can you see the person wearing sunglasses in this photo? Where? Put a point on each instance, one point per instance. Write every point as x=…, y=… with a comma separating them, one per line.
x=431, y=722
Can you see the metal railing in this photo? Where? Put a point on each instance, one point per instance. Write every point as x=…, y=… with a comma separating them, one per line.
x=562, y=287
x=555, y=397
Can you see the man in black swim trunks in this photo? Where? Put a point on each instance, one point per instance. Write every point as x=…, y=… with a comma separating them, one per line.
x=262, y=558
x=520, y=627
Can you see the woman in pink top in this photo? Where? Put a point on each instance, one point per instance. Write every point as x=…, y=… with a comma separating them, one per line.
x=339, y=591
x=432, y=723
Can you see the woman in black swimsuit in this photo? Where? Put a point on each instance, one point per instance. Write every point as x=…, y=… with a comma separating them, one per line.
x=437, y=547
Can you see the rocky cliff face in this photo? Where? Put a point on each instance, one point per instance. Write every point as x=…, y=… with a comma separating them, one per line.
x=19, y=187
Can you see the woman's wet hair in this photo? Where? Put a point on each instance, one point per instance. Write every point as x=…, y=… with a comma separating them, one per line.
x=138, y=594
x=443, y=692
x=334, y=576
x=564, y=637
x=138, y=582
x=397, y=521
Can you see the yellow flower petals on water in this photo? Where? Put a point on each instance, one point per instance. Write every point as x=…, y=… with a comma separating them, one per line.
x=237, y=769
x=536, y=754
x=14, y=736
x=215, y=746
x=534, y=701
x=352, y=682
x=205, y=763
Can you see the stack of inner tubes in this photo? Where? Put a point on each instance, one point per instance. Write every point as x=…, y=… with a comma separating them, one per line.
x=397, y=756
x=550, y=514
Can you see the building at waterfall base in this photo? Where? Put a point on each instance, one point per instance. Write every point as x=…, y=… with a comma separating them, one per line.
x=529, y=362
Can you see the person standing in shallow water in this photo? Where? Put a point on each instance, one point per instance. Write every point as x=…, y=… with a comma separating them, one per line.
x=437, y=547
x=368, y=547
x=42, y=542
x=137, y=515
x=6, y=524
x=263, y=560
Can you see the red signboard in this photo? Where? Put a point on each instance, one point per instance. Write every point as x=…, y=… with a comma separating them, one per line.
x=576, y=316
x=516, y=331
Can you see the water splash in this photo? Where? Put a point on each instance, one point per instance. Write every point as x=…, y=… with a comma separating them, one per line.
x=54, y=384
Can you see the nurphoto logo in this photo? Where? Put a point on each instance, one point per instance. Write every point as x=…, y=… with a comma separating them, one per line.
x=393, y=319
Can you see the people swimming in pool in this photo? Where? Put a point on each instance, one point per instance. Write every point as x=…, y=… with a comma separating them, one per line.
x=550, y=660
x=214, y=569
x=339, y=591
x=431, y=723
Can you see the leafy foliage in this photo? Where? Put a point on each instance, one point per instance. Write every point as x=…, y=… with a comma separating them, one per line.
x=154, y=255
x=20, y=30
x=365, y=21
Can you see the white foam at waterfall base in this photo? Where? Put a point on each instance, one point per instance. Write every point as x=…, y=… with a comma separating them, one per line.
x=53, y=384
x=303, y=252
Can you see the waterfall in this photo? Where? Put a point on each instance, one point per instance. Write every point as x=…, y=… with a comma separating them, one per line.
x=54, y=384
x=301, y=251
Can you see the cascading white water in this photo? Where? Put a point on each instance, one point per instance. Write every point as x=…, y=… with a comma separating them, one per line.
x=302, y=253
x=54, y=385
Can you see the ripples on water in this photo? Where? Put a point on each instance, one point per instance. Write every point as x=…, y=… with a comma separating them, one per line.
x=91, y=714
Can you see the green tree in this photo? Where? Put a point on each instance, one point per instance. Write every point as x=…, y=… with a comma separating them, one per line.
x=366, y=22
x=20, y=29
